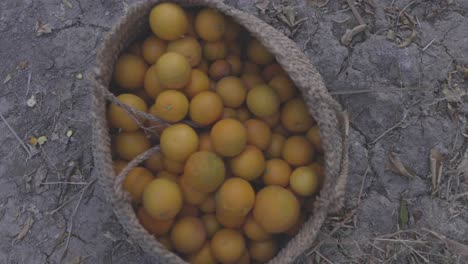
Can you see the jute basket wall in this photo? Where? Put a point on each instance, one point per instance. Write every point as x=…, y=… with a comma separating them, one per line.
x=327, y=112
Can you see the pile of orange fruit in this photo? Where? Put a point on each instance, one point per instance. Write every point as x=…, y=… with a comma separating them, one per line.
x=241, y=162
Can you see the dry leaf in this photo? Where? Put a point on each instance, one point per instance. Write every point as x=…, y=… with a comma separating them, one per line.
x=68, y=4
x=27, y=226
x=42, y=140
x=350, y=34
x=42, y=28
x=436, y=168
x=31, y=102
x=397, y=166
x=69, y=133
x=7, y=79
x=23, y=64
x=262, y=5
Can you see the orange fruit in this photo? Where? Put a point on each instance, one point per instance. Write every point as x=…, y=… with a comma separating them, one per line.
x=189, y=48
x=203, y=256
x=273, y=119
x=166, y=242
x=245, y=259
x=151, y=83
x=153, y=226
x=232, y=29
x=131, y=144
x=272, y=70
x=205, y=142
x=171, y=106
x=229, y=113
x=136, y=181
x=229, y=137
x=251, y=80
x=277, y=172
x=250, y=68
x=304, y=181
x=173, y=70
x=208, y=205
x=162, y=199
x=276, y=209
x=263, y=251
x=228, y=245
x=119, y=165
x=211, y=224
x=235, y=196
x=236, y=64
x=229, y=219
x=263, y=101
x=164, y=174
x=168, y=21
x=313, y=135
x=258, y=53
x=206, y=108
x=204, y=171
x=203, y=66
x=249, y=164
x=178, y=142
x=155, y=163
x=153, y=48
x=188, y=210
x=297, y=151
x=129, y=72
x=243, y=114
x=209, y=24
x=214, y=50
x=283, y=86
x=199, y=82
x=297, y=226
x=295, y=116
x=254, y=231
x=219, y=69
x=281, y=130
x=232, y=91
x=173, y=166
x=119, y=118
x=188, y=235
x=258, y=133
x=275, y=149
x=191, y=195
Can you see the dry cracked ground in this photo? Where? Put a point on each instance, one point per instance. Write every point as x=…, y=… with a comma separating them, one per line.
x=402, y=80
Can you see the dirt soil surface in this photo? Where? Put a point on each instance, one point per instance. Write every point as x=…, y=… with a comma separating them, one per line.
x=403, y=81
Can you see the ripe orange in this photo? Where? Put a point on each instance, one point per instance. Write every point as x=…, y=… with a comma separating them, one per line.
x=249, y=164
x=245, y=259
x=219, y=69
x=119, y=118
x=178, y=142
x=191, y=195
x=153, y=226
x=131, y=144
x=208, y=205
x=129, y=72
x=275, y=149
x=272, y=70
x=298, y=151
x=153, y=48
x=164, y=174
x=272, y=120
x=251, y=80
x=173, y=70
x=204, y=171
x=229, y=113
x=283, y=86
x=263, y=251
x=229, y=219
x=276, y=209
x=295, y=116
x=262, y=101
x=258, y=53
x=236, y=196
x=228, y=245
x=232, y=91
x=297, y=226
x=258, y=133
x=236, y=64
x=162, y=199
x=203, y=256
x=136, y=181
x=171, y=106
x=243, y=114
x=209, y=24
x=151, y=84
x=205, y=142
x=168, y=21
x=304, y=181
x=155, y=163
x=214, y=50
x=254, y=231
x=229, y=137
x=188, y=235
x=173, y=166
x=277, y=172
x=199, y=82
x=206, y=108
x=313, y=135
x=189, y=48
x=211, y=224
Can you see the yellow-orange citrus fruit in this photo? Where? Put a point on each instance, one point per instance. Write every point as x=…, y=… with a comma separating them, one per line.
x=151, y=84
x=162, y=199
x=119, y=165
x=277, y=172
x=251, y=80
x=129, y=72
x=155, y=163
x=304, y=181
x=232, y=91
x=205, y=142
x=262, y=101
x=153, y=226
x=275, y=149
x=203, y=256
x=297, y=151
x=168, y=21
x=236, y=196
x=198, y=83
x=171, y=106
x=243, y=114
x=245, y=259
x=211, y=224
x=204, y=171
x=173, y=166
x=229, y=113
x=219, y=69
x=131, y=144
x=254, y=231
x=173, y=70
x=276, y=209
x=297, y=226
x=206, y=108
x=153, y=48
x=273, y=119
x=119, y=118
x=136, y=181
x=258, y=133
x=313, y=135
x=178, y=142
x=203, y=66
x=229, y=219
x=209, y=24
x=258, y=53
x=272, y=70
x=228, y=245
x=164, y=174
x=263, y=251
x=188, y=47
x=191, y=195
x=188, y=234
x=208, y=205
x=295, y=116
x=229, y=137
x=249, y=164
x=236, y=64
x=214, y=50
x=284, y=87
